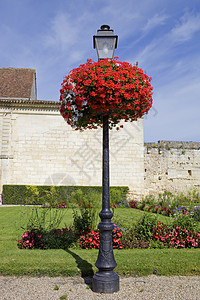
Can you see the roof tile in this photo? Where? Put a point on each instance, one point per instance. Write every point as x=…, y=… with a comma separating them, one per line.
x=17, y=83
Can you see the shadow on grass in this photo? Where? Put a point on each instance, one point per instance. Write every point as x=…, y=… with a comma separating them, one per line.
x=85, y=268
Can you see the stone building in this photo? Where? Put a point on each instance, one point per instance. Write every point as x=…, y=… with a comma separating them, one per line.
x=37, y=147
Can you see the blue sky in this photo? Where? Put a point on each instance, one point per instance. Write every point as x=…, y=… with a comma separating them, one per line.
x=55, y=36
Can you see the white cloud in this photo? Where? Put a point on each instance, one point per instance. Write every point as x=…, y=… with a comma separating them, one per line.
x=63, y=34
x=186, y=28
x=156, y=20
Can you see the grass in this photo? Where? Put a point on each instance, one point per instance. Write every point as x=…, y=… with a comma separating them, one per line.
x=126, y=216
x=71, y=262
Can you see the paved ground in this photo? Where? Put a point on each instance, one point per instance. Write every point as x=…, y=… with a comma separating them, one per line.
x=146, y=288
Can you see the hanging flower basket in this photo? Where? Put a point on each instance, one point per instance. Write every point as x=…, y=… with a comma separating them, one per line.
x=107, y=87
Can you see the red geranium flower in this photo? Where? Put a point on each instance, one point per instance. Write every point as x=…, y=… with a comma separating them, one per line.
x=107, y=87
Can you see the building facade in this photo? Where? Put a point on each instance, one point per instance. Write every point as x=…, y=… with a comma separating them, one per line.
x=37, y=147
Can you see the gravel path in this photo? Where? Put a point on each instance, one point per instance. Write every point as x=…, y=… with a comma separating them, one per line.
x=151, y=287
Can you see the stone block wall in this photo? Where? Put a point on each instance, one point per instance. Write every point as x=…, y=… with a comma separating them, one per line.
x=37, y=147
x=174, y=166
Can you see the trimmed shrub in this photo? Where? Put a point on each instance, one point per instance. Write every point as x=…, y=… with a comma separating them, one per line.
x=27, y=194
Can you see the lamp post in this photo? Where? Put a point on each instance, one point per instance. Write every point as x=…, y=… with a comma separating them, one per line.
x=105, y=280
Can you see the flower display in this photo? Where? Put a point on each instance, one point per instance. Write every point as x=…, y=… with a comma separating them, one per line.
x=107, y=87
x=92, y=240
x=30, y=240
x=167, y=236
x=176, y=237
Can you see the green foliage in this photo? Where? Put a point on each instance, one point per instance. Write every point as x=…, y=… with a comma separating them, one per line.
x=15, y=194
x=89, y=200
x=130, y=241
x=44, y=223
x=185, y=221
x=140, y=233
x=168, y=203
x=144, y=228
x=25, y=194
x=85, y=213
x=83, y=221
x=149, y=199
x=196, y=213
x=156, y=245
x=141, y=205
x=173, y=200
x=41, y=219
x=59, y=239
x=118, y=195
x=33, y=190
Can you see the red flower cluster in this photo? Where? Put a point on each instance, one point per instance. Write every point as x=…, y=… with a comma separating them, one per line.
x=155, y=208
x=91, y=240
x=61, y=205
x=116, y=238
x=54, y=205
x=107, y=87
x=133, y=204
x=176, y=237
x=30, y=240
x=61, y=231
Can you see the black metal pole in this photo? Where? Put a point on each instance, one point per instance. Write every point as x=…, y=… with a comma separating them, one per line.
x=105, y=280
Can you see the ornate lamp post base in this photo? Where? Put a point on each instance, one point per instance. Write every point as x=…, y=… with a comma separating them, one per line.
x=105, y=282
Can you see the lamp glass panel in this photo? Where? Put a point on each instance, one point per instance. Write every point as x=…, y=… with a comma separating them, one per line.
x=105, y=46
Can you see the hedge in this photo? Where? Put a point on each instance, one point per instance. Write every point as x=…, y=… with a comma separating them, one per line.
x=31, y=194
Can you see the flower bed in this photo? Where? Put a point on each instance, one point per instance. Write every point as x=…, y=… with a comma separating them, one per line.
x=176, y=237
x=41, y=232
x=170, y=205
x=154, y=208
x=162, y=235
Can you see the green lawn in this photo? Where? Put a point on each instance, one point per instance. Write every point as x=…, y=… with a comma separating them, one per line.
x=14, y=261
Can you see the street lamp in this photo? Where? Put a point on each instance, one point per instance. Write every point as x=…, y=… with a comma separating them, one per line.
x=105, y=42
x=105, y=280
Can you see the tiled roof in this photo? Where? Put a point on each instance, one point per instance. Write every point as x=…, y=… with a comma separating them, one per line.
x=17, y=83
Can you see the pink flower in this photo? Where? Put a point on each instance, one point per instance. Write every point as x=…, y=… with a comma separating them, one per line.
x=195, y=244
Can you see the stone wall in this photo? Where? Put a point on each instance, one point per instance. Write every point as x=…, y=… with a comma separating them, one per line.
x=174, y=166
x=37, y=147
